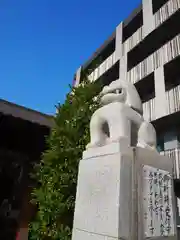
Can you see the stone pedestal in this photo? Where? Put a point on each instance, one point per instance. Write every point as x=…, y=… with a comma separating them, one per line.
x=124, y=193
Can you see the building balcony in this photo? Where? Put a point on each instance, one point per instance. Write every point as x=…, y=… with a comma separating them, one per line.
x=161, y=56
x=166, y=11
x=149, y=110
x=165, y=54
x=131, y=42
x=173, y=100
x=102, y=68
x=172, y=104
x=154, y=40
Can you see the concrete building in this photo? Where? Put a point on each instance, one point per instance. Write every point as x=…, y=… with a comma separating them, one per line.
x=145, y=50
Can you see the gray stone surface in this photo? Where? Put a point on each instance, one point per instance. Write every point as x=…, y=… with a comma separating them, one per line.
x=121, y=116
x=123, y=192
x=144, y=157
x=82, y=235
x=108, y=149
x=109, y=201
x=99, y=194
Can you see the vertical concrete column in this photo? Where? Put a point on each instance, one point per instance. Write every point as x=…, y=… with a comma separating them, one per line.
x=160, y=93
x=123, y=67
x=120, y=54
x=119, y=39
x=148, y=17
x=78, y=77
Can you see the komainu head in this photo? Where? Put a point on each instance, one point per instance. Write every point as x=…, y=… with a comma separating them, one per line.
x=124, y=92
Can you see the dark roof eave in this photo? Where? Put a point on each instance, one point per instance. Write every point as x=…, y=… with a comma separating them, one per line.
x=8, y=108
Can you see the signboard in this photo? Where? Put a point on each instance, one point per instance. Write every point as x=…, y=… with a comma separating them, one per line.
x=157, y=203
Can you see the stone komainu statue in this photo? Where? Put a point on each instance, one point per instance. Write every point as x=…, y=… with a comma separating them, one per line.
x=121, y=116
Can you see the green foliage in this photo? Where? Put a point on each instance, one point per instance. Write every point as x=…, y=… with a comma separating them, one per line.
x=57, y=172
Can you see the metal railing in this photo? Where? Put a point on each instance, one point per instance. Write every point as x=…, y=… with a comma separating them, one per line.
x=132, y=41
x=149, y=110
x=173, y=100
x=167, y=10
x=103, y=67
x=162, y=56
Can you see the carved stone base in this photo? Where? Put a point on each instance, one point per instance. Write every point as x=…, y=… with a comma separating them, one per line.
x=124, y=195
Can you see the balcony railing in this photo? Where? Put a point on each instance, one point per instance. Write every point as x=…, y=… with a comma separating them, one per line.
x=149, y=110
x=131, y=42
x=102, y=68
x=166, y=11
x=163, y=55
x=173, y=100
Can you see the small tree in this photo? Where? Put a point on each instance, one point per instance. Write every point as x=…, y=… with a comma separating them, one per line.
x=57, y=171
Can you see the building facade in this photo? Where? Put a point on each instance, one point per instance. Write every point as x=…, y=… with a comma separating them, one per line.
x=145, y=50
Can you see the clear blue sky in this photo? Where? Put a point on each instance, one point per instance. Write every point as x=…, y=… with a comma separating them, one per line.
x=43, y=42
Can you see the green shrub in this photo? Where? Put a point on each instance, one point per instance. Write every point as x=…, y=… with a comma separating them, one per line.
x=57, y=171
